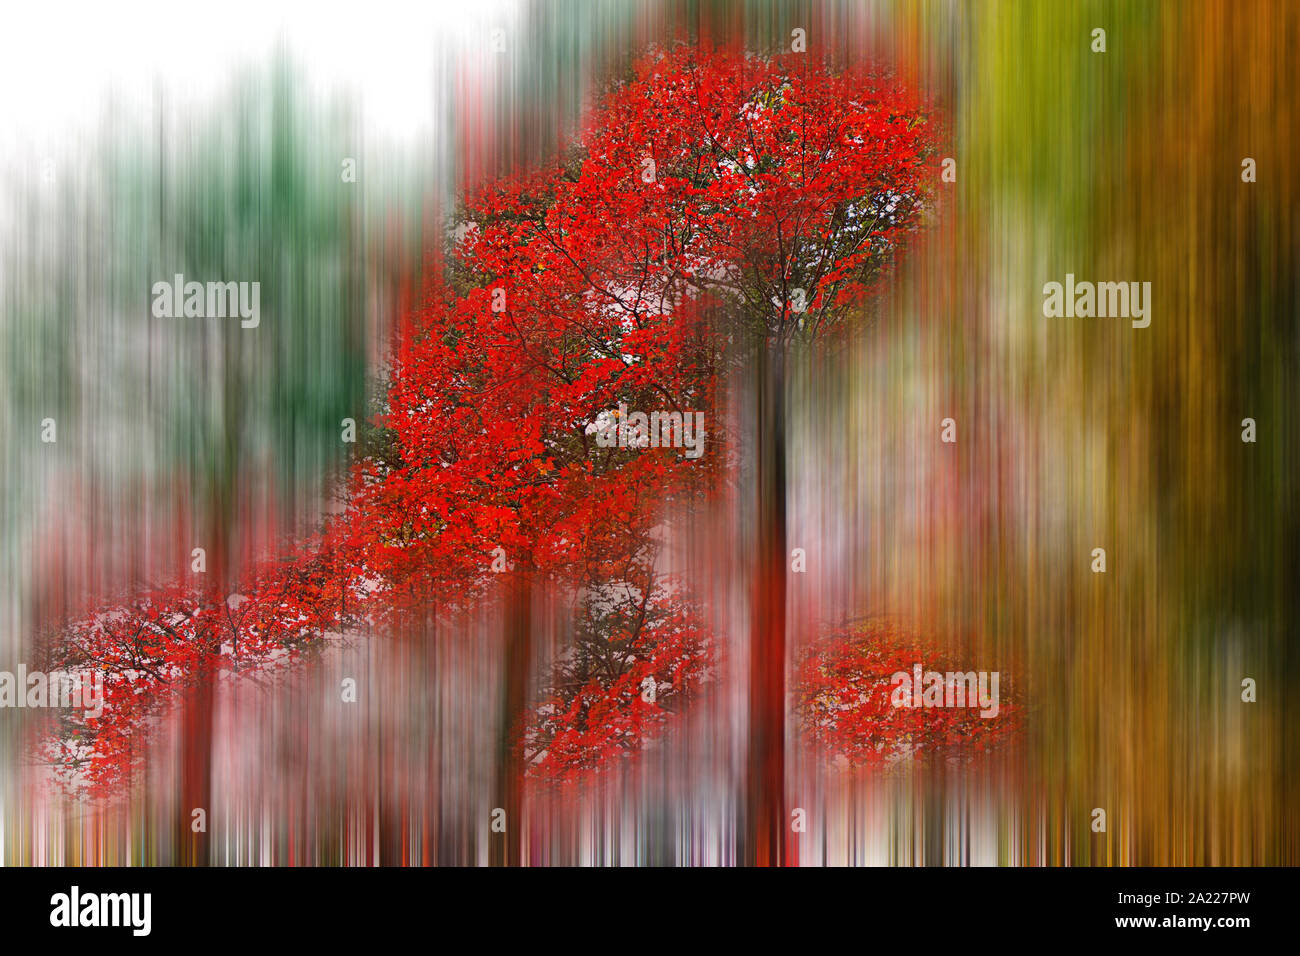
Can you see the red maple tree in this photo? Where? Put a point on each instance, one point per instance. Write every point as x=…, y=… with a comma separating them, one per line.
x=770, y=194
x=720, y=209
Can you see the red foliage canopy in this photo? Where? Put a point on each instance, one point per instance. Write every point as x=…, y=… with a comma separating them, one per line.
x=715, y=194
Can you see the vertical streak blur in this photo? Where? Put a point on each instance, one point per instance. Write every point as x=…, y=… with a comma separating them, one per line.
x=1072, y=434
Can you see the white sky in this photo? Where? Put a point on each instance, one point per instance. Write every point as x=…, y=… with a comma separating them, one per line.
x=59, y=60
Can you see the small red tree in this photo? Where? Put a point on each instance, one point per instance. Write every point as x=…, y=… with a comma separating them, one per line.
x=155, y=646
x=851, y=715
x=639, y=655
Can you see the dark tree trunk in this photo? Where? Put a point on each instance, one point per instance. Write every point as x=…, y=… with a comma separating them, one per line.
x=196, y=769
x=199, y=716
x=765, y=797
x=506, y=849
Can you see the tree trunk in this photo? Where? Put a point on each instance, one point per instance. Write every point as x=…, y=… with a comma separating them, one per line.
x=198, y=720
x=765, y=798
x=506, y=849
x=199, y=716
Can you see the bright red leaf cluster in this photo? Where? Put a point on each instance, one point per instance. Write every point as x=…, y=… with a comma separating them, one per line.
x=844, y=696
